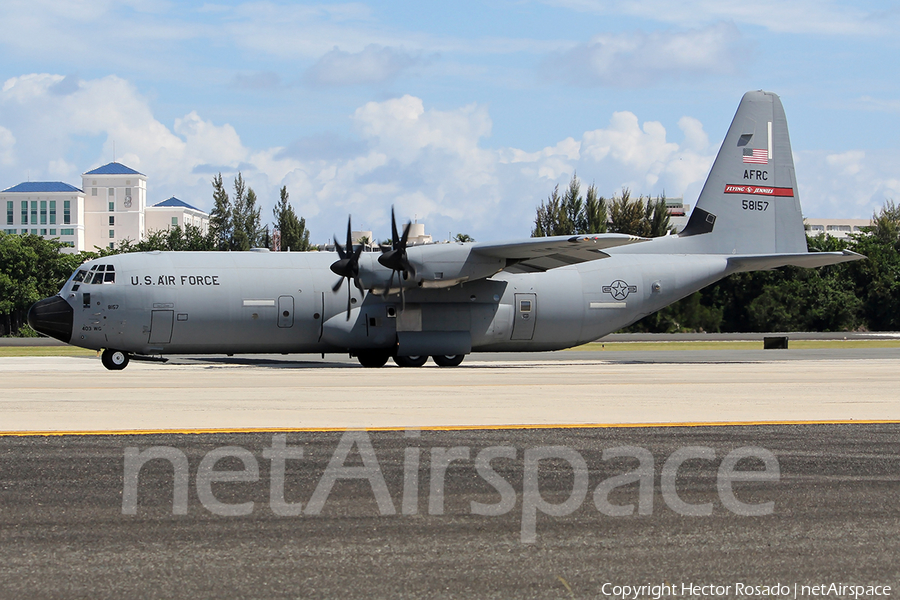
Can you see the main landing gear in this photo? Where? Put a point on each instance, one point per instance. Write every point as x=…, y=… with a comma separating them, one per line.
x=452, y=360
x=410, y=361
x=378, y=358
x=373, y=358
x=114, y=360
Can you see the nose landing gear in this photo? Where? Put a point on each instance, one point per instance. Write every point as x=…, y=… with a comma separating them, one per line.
x=114, y=360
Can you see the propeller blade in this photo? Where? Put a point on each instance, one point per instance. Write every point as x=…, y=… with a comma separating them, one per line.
x=394, y=237
x=347, y=266
x=339, y=248
x=349, y=239
x=405, y=236
x=348, y=301
x=409, y=268
x=396, y=258
x=387, y=290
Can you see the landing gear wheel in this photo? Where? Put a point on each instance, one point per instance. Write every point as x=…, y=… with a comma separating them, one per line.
x=410, y=361
x=114, y=360
x=448, y=361
x=373, y=358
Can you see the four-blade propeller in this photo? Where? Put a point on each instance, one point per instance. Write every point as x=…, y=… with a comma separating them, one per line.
x=347, y=266
x=397, y=259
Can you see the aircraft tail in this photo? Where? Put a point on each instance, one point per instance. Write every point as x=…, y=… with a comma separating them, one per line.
x=750, y=203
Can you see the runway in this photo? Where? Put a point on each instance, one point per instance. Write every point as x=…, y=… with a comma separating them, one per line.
x=571, y=388
x=65, y=533
x=70, y=527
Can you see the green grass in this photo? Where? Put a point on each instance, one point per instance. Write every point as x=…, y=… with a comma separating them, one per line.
x=734, y=345
x=6, y=351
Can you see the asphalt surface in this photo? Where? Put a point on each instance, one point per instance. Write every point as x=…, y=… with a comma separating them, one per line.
x=63, y=534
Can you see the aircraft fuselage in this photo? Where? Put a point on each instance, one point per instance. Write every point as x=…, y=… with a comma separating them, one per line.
x=246, y=302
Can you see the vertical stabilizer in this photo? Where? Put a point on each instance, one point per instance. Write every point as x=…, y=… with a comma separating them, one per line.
x=750, y=203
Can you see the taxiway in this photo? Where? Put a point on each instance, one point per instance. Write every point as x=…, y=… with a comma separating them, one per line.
x=574, y=388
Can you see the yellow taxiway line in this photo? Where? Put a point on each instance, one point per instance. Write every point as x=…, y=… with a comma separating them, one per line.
x=200, y=431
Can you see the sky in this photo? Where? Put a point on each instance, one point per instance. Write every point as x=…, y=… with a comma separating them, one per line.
x=462, y=115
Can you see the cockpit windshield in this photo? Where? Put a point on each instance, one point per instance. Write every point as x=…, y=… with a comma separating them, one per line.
x=96, y=274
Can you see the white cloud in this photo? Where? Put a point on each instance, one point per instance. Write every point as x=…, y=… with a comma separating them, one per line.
x=432, y=164
x=629, y=144
x=429, y=163
x=207, y=143
x=695, y=137
x=439, y=142
x=109, y=108
x=373, y=65
x=851, y=184
x=803, y=16
x=637, y=58
x=847, y=163
x=7, y=146
x=878, y=104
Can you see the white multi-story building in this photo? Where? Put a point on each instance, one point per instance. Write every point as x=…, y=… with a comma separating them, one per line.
x=175, y=213
x=115, y=197
x=837, y=228
x=110, y=207
x=51, y=209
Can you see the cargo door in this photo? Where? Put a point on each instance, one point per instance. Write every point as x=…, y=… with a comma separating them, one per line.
x=161, y=326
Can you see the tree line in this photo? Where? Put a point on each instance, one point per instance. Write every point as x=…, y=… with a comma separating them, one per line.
x=860, y=295
x=573, y=213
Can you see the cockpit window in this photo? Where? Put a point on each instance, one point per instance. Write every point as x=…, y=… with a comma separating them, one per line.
x=97, y=274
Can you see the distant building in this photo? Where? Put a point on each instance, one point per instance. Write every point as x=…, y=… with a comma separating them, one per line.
x=110, y=207
x=836, y=228
x=417, y=234
x=51, y=209
x=115, y=200
x=175, y=213
x=416, y=237
x=678, y=212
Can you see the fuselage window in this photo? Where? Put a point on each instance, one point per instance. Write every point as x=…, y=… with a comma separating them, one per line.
x=525, y=306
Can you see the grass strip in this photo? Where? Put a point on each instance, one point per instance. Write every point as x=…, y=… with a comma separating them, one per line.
x=733, y=345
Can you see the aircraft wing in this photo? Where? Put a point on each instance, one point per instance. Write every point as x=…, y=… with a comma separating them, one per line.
x=542, y=254
x=759, y=262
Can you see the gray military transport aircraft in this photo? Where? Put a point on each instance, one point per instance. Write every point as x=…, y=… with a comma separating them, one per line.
x=444, y=300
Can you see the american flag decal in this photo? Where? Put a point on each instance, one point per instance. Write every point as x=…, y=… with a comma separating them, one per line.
x=756, y=156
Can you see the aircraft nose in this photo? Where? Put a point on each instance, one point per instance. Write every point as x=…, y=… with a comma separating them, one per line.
x=52, y=316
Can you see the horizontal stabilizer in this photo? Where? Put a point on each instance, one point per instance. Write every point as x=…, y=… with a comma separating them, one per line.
x=761, y=262
x=543, y=254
